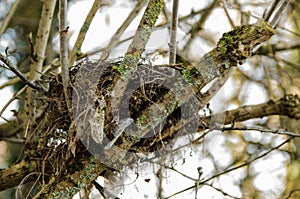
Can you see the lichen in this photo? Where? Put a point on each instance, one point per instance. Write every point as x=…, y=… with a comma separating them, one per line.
x=192, y=76
x=238, y=44
x=141, y=120
x=128, y=64
x=152, y=14
x=80, y=179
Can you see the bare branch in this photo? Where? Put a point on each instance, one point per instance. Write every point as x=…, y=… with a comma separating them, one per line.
x=39, y=57
x=63, y=30
x=172, y=44
x=276, y=13
x=263, y=130
x=14, y=69
x=267, y=16
x=234, y=168
x=9, y=15
x=227, y=14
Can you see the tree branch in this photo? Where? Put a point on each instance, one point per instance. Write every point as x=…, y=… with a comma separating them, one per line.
x=12, y=176
x=63, y=30
x=172, y=44
x=10, y=66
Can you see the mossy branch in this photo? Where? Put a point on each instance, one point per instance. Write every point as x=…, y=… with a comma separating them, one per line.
x=141, y=37
x=72, y=183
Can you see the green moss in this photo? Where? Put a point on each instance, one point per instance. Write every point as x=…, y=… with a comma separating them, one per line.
x=192, y=76
x=141, y=120
x=153, y=12
x=172, y=106
x=239, y=43
x=129, y=63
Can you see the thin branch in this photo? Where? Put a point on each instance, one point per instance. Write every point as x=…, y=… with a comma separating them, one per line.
x=273, y=131
x=227, y=14
x=279, y=12
x=63, y=30
x=172, y=44
x=288, y=105
x=234, y=168
x=9, y=15
x=222, y=192
x=12, y=99
x=270, y=12
x=10, y=66
x=76, y=51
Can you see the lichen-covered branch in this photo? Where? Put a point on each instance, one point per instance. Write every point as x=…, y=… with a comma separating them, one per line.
x=288, y=105
x=12, y=176
x=141, y=37
x=72, y=183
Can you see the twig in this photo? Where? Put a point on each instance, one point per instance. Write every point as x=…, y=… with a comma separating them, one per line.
x=234, y=168
x=276, y=17
x=278, y=12
x=76, y=51
x=172, y=44
x=63, y=30
x=273, y=131
x=14, y=69
x=9, y=15
x=223, y=192
x=227, y=14
x=12, y=99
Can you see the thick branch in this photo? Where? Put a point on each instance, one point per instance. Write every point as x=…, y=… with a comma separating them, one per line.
x=69, y=185
x=141, y=37
x=288, y=105
x=12, y=176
